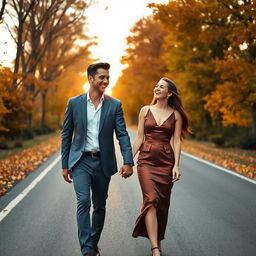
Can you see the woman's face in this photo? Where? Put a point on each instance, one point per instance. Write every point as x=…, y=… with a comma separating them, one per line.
x=161, y=90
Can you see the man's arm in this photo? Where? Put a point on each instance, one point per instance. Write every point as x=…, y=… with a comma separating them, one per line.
x=124, y=142
x=66, y=140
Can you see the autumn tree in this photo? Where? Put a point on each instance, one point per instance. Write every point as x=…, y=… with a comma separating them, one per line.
x=46, y=34
x=210, y=49
x=2, y=9
x=18, y=12
x=191, y=47
x=144, y=67
x=61, y=52
x=12, y=105
x=49, y=22
x=235, y=95
x=5, y=78
x=69, y=84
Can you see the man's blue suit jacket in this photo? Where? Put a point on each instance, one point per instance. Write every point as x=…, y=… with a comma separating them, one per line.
x=75, y=128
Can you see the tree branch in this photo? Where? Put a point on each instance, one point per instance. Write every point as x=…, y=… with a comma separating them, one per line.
x=28, y=11
x=2, y=9
x=8, y=28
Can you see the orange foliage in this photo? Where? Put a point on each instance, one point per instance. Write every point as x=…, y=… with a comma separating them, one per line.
x=234, y=96
x=241, y=161
x=144, y=67
x=210, y=51
x=18, y=166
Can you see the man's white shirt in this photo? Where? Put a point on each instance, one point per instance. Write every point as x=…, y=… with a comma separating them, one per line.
x=93, y=124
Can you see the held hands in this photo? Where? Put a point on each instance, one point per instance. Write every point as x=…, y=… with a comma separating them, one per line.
x=175, y=174
x=67, y=175
x=126, y=171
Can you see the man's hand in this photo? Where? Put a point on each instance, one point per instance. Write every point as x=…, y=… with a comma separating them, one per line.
x=67, y=175
x=126, y=171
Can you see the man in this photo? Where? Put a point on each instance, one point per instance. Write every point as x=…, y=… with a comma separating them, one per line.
x=88, y=158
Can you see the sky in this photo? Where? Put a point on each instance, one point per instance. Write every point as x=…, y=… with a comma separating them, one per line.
x=110, y=21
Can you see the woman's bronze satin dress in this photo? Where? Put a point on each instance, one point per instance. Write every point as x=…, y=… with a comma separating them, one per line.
x=155, y=163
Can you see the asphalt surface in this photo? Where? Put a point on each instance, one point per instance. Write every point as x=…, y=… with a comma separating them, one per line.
x=212, y=213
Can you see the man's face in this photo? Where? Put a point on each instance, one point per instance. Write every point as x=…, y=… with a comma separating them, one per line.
x=100, y=81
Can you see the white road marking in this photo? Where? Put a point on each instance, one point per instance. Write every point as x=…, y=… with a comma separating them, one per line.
x=17, y=199
x=220, y=167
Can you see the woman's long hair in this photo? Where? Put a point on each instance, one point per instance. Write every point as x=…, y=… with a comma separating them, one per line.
x=174, y=101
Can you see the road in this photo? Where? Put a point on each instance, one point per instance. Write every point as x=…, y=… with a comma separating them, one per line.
x=212, y=213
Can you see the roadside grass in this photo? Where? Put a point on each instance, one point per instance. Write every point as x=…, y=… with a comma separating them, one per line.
x=17, y=163
x=20, y=163
x=235, y=159
x=4, y=153
x=239, y=160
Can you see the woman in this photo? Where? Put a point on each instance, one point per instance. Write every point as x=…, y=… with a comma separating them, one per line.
x=160, y=129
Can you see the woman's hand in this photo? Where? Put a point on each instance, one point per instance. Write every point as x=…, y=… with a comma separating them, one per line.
x=175, y=174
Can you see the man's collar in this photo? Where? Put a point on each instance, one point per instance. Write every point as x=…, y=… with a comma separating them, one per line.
x=89, y=99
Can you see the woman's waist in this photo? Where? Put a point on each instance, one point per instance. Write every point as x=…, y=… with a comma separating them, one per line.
x=156, y=146
x=157, y=141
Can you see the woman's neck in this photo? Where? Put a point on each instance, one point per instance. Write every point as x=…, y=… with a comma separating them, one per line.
x=163, y=104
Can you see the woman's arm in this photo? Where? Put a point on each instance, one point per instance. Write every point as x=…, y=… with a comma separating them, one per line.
x=177, y=146
x=140, y=131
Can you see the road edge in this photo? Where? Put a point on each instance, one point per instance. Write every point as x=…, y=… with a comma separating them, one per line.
x=25, y=192
x=219, y=167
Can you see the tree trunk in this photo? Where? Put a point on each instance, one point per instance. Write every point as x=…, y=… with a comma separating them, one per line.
x=29, y=119
x=254, y=119
x=2, y=9
x=18, y=54
x=43, y=109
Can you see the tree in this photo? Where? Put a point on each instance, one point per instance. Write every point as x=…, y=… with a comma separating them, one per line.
x=144, y=67
x=5, y=77
x=20, y=10
x=190, y=48
x=61, y=52
x=2, y=9
x=205, y=44
x=12, y=105
x=235, y=95
x=69, y=84
x=40, y=25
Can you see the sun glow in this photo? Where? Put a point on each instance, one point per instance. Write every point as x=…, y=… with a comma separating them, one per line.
x=110, y=21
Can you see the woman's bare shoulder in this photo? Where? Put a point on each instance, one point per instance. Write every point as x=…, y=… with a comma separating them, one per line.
x=177, y=114
x=144, y=110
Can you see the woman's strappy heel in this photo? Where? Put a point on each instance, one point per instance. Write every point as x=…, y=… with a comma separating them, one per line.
x=152, y=249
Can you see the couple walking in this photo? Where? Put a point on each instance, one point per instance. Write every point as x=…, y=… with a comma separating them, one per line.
x=88, y=156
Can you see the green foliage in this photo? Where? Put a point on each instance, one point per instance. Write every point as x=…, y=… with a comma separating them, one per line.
x=217, y=139
x=52, y=52
x=18, y=143
x=28, y=133
x=247, y=142
x=46, y=129
x=3, y=143
x=209, y=51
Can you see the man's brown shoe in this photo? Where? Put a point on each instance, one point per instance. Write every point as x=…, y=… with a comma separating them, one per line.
x=91, y=254
x=97, y=250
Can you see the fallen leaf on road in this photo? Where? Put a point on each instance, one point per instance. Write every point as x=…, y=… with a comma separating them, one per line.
x=18, y=166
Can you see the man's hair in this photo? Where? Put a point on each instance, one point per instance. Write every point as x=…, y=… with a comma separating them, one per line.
x=92, y=69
